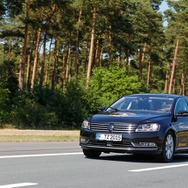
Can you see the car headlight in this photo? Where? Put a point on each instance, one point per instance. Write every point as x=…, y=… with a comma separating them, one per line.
x=149, y=127
x=86, y=124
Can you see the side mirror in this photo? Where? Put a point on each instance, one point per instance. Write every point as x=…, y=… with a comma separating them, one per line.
x=182, y=113
x=102, y=108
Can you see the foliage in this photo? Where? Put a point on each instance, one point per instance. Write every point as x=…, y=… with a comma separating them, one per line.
x=48, y=110
x=74, y=109
x=45, y=47
x=4, y=108
x=67, y=109
x=29, y=114
x=110, y=83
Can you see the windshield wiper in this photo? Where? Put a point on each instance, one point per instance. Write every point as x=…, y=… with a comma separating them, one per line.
x=115, y=109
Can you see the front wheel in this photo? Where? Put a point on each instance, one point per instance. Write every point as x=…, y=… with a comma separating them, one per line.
x=168, y=148
x=91, y=153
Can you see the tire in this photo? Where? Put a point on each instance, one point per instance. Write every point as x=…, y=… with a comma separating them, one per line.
x=168, y=148
x=91, y=153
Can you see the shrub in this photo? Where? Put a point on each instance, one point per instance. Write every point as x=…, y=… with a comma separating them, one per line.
x=4, y=105
x=110, y=83
x=28, y=113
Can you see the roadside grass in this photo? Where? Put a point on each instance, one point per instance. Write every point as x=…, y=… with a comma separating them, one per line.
x=14, y=135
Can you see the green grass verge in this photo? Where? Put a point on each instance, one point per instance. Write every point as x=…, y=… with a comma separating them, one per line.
x=37, y=138
x=14, y=135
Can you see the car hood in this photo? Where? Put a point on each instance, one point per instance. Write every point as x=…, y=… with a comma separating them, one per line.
x=129, y=117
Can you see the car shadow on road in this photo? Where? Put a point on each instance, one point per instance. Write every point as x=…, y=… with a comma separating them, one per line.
x=178, y=158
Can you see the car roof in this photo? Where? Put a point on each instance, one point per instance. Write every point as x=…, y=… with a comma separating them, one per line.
x=156, y=95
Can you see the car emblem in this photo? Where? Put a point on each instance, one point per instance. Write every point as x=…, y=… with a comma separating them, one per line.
x=111, y=127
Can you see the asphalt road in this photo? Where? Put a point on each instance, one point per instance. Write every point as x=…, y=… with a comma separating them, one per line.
x=62, y=165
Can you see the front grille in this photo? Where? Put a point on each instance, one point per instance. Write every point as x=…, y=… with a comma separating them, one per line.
x=117, y=127
x=114, y=144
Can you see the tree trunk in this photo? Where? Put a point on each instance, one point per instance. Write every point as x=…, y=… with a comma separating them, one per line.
x=86, y=56
x=173, y=67
x=48, y=62
x=67, y=75
x=142, y=60
x=101, y=56
x=77, y=46
x=167, y=79
x=174, y=86
x=43, y=63
x=63, y=71
x=36, y=59
x=24, y=53
x=110, y=44
x=28, y=71
x=127, y=61
x=182, y=89
x=91, y=47
x=55, y=68
x=120, y=57
x=96, y=53
x=149, y=74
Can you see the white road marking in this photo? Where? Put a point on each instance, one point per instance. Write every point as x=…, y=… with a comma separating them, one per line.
x=18, y=185
x=159, y=168
x=40, y=155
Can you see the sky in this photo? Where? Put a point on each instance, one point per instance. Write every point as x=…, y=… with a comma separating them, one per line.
x=163, y=6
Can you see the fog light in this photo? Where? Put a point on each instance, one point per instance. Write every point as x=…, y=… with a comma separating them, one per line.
x=83, y=140
x=147, y=144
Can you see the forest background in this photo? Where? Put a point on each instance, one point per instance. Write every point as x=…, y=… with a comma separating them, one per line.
x=62, y=59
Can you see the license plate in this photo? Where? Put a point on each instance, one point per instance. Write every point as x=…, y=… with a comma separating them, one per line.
x=109, y=137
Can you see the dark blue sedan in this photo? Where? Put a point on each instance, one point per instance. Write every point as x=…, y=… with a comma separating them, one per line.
x=155, y=124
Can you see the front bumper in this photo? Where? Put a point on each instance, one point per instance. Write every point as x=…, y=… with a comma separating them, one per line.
x=145, y=143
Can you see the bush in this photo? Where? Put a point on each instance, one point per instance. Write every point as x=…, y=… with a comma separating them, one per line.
x=4, y=105
x=71, y=107
x=110, y=83
x=66, y=109
x=28, y=113
x=47, y=110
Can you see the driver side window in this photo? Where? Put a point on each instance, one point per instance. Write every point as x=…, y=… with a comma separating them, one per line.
x=181, y=105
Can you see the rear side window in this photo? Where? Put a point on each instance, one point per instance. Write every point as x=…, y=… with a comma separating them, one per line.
x=181, y=105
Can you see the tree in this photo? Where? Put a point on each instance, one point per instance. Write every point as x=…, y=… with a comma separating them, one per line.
x=91, y=46
x=47, y=45
x=2, y=9
x=25, y=41
x=176, y=35
x=148, y=30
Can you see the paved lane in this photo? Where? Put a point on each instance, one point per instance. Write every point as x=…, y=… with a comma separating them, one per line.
x=69, y=168
x=37, y=147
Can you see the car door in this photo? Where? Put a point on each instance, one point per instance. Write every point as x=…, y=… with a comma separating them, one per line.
x=181, y=123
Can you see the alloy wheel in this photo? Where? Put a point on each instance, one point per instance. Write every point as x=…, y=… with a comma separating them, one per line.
x=169, y=146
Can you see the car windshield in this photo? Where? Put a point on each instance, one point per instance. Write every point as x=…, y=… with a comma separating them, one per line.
x=143, y=103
